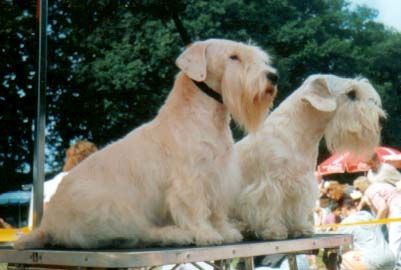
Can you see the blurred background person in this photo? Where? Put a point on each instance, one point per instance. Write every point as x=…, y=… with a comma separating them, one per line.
x=334, y=190
x=74, y=155
x=4, y=225
x=383, y=172
x=322, y=210
x=370, y=249
x=385, y=202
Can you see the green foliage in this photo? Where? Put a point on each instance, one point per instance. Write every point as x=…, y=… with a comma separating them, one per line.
x=16, y=94
x=111, y=63
x=384, y=67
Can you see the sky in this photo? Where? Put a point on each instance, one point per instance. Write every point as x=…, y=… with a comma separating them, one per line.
x=389, y=11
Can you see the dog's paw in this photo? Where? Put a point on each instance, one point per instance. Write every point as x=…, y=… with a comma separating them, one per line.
x=183, y=239
x=276, y=234
x=208, y=237
x=171, y=235
x=302, y=232
x=231, y=235
x=178, y=237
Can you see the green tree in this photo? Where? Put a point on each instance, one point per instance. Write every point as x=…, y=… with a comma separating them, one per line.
x=111, y=63
x=384, y=69
x=17, y=71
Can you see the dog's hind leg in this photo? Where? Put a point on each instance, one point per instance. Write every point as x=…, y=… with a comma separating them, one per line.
x=36, y=239
x=261, y=208
x=299, y=215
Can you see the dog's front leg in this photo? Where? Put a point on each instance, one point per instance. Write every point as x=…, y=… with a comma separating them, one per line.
x=273, y=227
x=189, y=211
x=229, y=232
x=300, y=222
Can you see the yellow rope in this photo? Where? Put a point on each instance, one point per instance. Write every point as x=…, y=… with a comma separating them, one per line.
x=10, y=235
x=370, y=222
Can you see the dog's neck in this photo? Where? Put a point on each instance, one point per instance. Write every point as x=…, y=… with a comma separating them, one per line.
x=186, y=98
x=306, y=124
x=208, y=91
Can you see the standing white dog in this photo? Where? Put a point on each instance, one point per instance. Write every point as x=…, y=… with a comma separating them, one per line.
x=278, y=162
x=170, y=181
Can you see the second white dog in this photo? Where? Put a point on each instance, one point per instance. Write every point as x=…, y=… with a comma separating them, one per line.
x=171, y=180
x=279, y=161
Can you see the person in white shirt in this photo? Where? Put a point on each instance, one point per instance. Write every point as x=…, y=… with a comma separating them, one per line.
x=74, y=155
x=383, y=172
x=370, y=249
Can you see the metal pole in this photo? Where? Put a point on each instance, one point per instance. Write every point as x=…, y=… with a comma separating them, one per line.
x=40, y=123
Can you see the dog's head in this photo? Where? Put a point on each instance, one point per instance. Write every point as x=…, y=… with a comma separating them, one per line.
x=240, y=73
x=355, y=109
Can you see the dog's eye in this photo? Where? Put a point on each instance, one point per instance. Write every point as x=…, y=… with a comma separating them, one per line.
x=351, y=95
x=234, y=57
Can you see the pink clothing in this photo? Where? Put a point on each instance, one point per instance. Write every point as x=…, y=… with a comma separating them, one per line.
x=331, y=218
x=386, y=173
x=381, y=194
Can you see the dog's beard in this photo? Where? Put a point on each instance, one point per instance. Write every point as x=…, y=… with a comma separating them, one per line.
x=246, y=98
x=355, y=128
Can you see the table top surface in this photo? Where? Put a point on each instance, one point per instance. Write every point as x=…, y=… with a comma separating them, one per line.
x=117, y=258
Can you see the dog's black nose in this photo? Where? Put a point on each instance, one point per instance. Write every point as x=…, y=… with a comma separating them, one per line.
x=272, y=77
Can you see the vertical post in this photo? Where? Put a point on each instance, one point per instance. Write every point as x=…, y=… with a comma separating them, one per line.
x=332, y=258
x=292, y=261
x=219, y=265
x=338, y=258
x=40, y=122
x=249, y=264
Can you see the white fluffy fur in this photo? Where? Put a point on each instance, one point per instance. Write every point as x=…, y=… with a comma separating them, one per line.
x=278, y=162
x=171, y=180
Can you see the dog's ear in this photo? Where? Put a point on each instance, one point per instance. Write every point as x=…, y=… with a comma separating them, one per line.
x=318, y=94
x=193, y=61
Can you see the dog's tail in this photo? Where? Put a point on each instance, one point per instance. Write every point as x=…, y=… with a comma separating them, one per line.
x=36, y=239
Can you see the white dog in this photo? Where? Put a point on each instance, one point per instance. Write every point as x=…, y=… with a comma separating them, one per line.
x=279, y=161
x=172, y=180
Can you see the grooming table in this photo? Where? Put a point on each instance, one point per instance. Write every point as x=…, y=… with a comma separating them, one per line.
x=217, y=256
